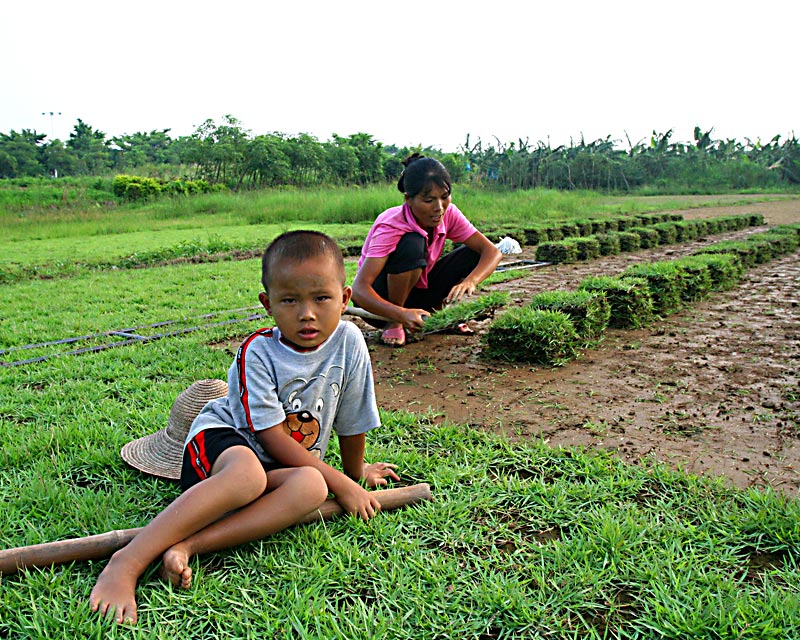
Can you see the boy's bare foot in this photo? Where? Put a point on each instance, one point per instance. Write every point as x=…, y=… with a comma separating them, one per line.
x=175, y=567
x=114, y=594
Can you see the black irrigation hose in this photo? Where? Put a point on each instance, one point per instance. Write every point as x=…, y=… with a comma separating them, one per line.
x=131, y=338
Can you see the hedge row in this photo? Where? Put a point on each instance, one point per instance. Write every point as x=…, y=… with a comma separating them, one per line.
x=554, y=326
x=141, y=188
x=578, y=249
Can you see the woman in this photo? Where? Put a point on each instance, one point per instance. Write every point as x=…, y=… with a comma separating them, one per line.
x=401, y=274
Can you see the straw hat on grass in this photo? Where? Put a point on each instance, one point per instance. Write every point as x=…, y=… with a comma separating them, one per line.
x=161, y=453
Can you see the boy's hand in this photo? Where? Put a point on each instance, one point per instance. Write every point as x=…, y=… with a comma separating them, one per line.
x=357, y=500
x=375, y=474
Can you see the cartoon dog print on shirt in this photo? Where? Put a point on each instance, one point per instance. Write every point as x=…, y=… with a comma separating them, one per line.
x=305, y=403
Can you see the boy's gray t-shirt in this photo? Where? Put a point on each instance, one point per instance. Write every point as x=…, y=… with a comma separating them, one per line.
x=308, y=393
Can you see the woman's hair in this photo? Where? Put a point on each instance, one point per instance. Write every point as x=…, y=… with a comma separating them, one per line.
x=420, y=173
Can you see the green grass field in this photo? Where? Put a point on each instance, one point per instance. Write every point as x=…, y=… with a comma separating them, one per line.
x=521, y=540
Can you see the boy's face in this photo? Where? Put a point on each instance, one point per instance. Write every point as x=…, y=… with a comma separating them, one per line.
x=306, y=299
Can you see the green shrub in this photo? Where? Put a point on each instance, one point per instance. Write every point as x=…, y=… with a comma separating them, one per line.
x=629, y=241
x=187, y=187
x=140, y=188
x=557, y=252
x=665, y=282
x=525, y=334
x=134, y=187
x=754, y=219
x=629, y=300
x=725, y=268
x=176, y=187
x=119, y=184
x=648, y=238
x=588, y=310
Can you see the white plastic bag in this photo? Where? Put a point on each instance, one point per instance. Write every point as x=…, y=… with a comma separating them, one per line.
x=508, y=245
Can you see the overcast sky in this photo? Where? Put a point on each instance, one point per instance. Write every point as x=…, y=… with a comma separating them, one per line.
x=410, y=72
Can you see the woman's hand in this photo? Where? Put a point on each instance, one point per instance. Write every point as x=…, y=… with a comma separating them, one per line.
x=490, y=257
x=375, y=474
x=462, y=290
x=414, y=319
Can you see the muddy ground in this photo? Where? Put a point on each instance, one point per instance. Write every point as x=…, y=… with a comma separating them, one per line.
x=712, y=390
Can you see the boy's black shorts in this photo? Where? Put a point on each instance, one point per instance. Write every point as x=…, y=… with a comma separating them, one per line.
x=203, y=450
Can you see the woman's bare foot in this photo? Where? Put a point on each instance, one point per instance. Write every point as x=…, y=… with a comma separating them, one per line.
x=393, y=335
x=115, y=592
x=175, y=567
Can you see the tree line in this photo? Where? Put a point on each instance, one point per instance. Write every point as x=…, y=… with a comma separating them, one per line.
x=225, y=153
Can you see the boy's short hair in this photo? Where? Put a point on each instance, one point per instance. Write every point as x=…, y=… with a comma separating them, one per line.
x=296, y=246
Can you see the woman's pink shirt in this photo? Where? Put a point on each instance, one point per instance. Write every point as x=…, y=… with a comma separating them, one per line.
x=394, y=223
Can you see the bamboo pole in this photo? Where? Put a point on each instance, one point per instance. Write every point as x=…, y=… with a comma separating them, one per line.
x=102, y=545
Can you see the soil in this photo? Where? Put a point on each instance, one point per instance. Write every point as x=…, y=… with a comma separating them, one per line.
x=712, y=390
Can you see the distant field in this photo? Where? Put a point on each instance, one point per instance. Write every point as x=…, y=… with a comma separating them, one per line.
x=81, y=230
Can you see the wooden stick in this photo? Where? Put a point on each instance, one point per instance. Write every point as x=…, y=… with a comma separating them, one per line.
x=103, y=545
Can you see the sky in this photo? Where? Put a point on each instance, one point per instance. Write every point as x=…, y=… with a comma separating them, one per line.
x=426, y=73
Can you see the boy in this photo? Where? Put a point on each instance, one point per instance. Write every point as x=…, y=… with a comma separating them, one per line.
x=253, y=462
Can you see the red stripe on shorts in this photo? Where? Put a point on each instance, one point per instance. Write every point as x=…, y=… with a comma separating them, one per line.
x=197, y=455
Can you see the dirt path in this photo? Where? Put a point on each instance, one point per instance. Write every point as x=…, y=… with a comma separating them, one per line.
x=712, y=390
